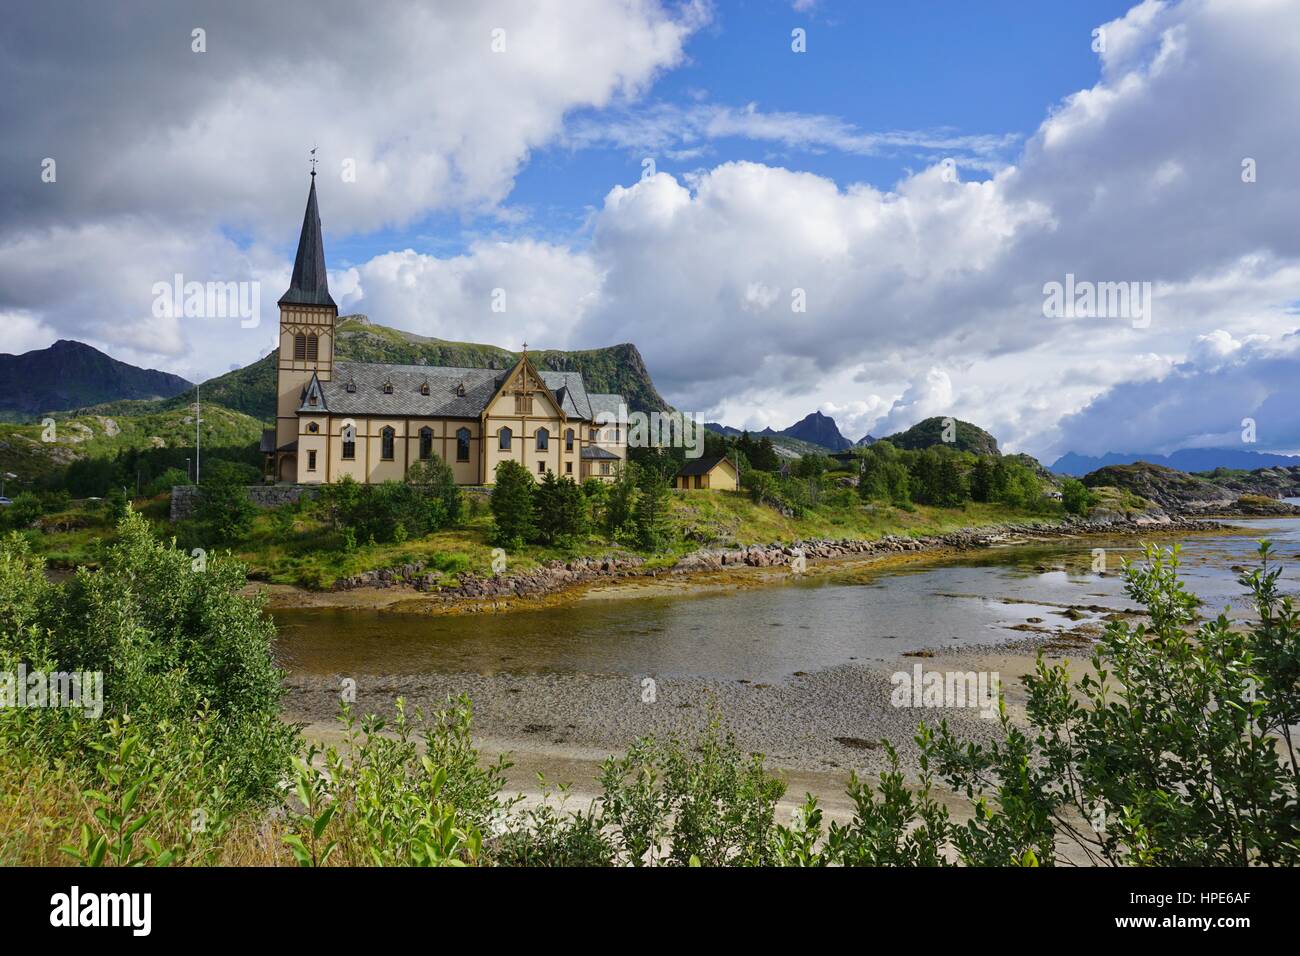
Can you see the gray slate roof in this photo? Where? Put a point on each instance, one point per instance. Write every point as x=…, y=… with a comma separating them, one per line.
x=443, y=400
x=596, y=453
x=605, y=403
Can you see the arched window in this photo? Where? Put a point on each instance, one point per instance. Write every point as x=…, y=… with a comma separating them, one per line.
x=503, y=439
x=300, y=347
x=426, y=443
x=349, y=442
x=386, y=443
x=568, y=439
x=543, y=439
x=313, y=344
x=462, y=444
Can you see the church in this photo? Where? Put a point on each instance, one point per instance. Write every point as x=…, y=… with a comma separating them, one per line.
x=374, y=421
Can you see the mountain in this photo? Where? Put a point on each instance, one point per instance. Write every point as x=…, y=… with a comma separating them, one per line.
x=1185, y=459
x=617, y=369
x=929, y=432
x=864, y=441
x=816, y=429
x=70, y=375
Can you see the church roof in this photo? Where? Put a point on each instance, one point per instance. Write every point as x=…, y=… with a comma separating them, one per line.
x=309, y=285
x=604, y=404
x=453, y=392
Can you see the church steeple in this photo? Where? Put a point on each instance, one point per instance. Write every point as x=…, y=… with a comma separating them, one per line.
x=309, y=285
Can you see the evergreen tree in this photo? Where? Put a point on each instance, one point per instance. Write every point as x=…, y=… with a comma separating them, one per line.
x=546, y=509
x=571, y=511
x=512, y=505
x=438, y=482
x=651, y=512
x=621, y=500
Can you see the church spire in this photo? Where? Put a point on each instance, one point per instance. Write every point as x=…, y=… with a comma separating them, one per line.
x=309, y=285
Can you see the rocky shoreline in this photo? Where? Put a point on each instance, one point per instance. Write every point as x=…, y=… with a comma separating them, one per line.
x=555, y=576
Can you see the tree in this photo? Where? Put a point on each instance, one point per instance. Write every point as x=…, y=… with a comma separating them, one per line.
x=437, y=481
x=1075, y=497
x=546, y=509
x=622, y=500
x=765, y=457
x=568, y=505
x=884, y=476
x=651, y=511
x=223, y=511
x=982, y=479
x=512, y=505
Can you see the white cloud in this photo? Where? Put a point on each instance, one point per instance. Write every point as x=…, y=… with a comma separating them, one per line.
x=150, y=137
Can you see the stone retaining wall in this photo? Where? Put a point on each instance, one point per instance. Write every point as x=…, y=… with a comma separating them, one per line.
x=184, y=497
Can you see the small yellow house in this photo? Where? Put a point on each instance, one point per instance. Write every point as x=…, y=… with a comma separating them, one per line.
x=717, y=474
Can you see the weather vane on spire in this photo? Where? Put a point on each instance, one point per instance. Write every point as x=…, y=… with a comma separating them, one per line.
x=313, y=162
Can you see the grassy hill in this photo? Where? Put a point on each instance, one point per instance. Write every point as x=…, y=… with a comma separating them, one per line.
x=24, y=452
x=251, y=389
x=929, y=432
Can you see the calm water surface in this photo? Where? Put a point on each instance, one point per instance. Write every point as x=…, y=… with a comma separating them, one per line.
x=767, y=634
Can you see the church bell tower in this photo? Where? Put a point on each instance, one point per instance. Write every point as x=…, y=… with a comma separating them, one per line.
x=307, y=319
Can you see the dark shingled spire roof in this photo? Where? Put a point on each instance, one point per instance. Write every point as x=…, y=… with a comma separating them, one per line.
x=309, y=285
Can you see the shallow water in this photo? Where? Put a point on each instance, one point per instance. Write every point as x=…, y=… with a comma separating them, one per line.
x=796, y=624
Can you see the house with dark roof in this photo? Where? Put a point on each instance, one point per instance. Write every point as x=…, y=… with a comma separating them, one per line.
x=718, y=474
x=374, y=421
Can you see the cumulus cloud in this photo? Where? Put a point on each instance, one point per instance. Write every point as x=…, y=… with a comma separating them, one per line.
x=433, y=106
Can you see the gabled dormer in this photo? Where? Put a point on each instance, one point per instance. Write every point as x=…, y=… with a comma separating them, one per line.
x=313, y=398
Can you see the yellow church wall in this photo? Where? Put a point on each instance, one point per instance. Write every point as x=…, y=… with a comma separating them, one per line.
x=524, y=428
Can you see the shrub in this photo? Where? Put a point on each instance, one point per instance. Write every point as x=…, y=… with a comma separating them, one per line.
x=166, y=481
x=25, y=511
x=169, y=640
x=1075, y=497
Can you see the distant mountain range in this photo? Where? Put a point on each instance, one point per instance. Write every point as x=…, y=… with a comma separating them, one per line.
x=815, y=429
x=1186, y=459
x=70, y=375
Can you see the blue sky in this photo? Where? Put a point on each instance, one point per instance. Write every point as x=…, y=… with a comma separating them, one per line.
x=989, y=68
